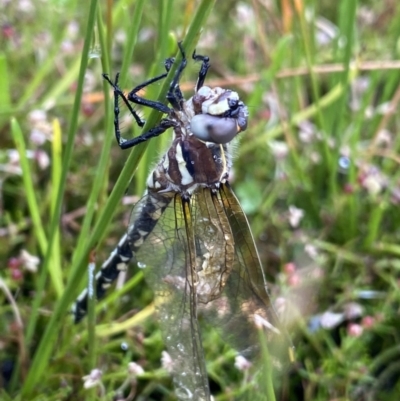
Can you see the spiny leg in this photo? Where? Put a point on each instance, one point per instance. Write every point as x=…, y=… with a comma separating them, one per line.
x=174, y=94
x=134, y=98
x=205, y=65
x=118, y=93
x=128, y=143
x=151, y=133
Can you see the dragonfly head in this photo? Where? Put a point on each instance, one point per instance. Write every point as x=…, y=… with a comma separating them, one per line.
x=220, y=115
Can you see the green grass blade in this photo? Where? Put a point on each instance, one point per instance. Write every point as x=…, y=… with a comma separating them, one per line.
x=132, y=37
x=28, y=185
x=45, y=347
x=5, y=98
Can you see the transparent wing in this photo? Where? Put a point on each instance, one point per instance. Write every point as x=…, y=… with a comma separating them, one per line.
x=247, y=287
x=169, y=254
x=242, y=290
x=201, y=258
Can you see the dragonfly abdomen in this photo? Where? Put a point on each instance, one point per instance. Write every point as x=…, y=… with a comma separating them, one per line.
x=148, y=211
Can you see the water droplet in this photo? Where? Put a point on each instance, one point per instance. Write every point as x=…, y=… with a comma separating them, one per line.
x=95, y=52
x=344, y=163
x=124, y=346
x=141, y=265
x=183, y=393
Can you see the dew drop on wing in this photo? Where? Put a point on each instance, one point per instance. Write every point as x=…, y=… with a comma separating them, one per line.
x=184, y=393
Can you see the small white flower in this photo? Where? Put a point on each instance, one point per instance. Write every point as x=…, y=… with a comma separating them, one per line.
x=26, y=6
x=241, y=363
x=384, y=138
x=372, y=179
x=373, y=184
x=29, y=262
x=353, y=310
x=13, y=165
x=13, y=156
x=41, y=129
x=311, y=251
x=279, y=149
x=295, y=216
x=329, y=320
x=307, y=131
x=37, y=116
x=37, y=137
x=134, y=369
x=93, y=379
x=245, y=14
x=43, y=159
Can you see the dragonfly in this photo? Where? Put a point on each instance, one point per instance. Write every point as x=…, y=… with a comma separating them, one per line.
x=189, y=232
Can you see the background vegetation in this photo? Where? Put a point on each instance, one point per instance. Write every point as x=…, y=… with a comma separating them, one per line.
x=317, y=172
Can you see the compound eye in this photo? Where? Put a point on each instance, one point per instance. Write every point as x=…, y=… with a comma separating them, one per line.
x=219, y=130
x=233, y=103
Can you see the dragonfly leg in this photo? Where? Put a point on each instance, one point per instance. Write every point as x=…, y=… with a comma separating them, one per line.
x=174, y=94
x=118, y=93
x=151, y=133
x=205, y=65
x=132, y=97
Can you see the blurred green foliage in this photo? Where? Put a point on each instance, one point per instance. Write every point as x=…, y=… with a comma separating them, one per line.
x=317, y=172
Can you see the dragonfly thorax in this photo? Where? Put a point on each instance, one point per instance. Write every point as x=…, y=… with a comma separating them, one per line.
x=200, y=153
x=190, y=164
